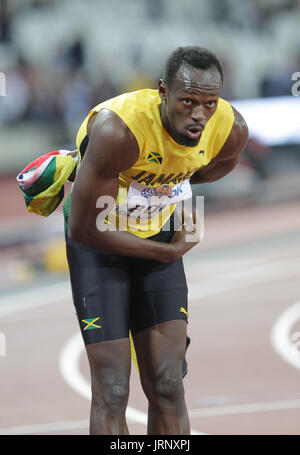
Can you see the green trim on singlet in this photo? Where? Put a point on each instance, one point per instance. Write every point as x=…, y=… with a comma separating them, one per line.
x=66, y=209
x=67, y=204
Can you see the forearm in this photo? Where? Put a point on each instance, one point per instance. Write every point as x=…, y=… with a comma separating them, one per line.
x=124, y=243
x=86, y=226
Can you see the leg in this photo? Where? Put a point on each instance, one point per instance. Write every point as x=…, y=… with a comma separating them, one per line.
x=158, y=322
x=160, y=352
x=110, y=363
x=100, y=288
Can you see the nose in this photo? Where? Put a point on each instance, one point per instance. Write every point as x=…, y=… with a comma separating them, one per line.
x=198, y=114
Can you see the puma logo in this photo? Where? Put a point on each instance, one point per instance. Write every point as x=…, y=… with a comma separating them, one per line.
x=182, y=310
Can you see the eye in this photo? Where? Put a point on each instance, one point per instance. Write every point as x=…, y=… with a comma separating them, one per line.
x=210, y=103
x=187, y=101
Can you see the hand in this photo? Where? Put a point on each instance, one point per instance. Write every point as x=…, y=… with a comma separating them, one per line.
x=189, y=235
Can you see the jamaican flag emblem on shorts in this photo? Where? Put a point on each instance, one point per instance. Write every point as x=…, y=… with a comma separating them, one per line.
x=90, y=324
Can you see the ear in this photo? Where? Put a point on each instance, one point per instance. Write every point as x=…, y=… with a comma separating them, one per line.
x=162, y=89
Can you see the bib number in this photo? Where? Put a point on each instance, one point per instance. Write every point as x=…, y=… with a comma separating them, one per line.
x=144, y=202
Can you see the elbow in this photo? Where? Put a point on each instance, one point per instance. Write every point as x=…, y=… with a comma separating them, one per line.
x=80, y=237
x=81, y=234
x=76, y=229
x=75, y=232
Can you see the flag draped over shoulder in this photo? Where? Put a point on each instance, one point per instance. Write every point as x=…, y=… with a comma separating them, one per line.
x=42, y=181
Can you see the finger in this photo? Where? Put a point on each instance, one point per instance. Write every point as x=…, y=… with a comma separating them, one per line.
x=183, y=216
x=195, y=216
x=197, y=219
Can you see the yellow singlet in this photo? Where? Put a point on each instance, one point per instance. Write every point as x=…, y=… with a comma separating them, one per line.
x=161, y=159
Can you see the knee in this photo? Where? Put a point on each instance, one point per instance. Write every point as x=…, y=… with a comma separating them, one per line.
x=168, y=387
x=110, y=390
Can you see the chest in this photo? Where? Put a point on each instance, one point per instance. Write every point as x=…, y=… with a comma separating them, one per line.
x=160, y=162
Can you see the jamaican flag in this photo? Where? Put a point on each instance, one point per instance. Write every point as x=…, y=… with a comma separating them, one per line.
x=42, y=181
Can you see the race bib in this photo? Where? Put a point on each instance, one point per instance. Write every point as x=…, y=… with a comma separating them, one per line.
x=144, y=202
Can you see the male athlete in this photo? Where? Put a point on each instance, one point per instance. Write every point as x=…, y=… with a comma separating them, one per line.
x=133, y=279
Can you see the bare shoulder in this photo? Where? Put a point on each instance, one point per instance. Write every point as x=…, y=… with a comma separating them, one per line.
x=240, y=129
x=237, y=139
x=111, y=143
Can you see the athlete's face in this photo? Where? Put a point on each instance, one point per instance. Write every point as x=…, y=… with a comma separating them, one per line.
x=189, y=102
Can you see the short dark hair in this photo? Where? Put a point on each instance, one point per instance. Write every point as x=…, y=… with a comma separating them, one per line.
x=196, y=56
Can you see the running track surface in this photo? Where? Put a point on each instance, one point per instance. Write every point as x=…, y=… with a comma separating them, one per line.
x=244, y=366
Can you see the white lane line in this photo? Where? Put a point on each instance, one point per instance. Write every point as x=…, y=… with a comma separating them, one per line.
x=32, y=298
x=46, y=427
x=281, y=335
x=70, y=371
x=239, y=279
x=245, y=408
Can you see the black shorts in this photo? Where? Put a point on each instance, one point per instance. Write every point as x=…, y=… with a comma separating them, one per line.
x=113, y=294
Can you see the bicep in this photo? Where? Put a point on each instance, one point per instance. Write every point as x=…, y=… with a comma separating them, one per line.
x=236, y=141
x=111, y=149
x=228, y=157
x=91, y=183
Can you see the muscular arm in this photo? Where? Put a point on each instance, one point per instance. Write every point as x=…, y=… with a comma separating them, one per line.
x=112, y=148
x=228, y=157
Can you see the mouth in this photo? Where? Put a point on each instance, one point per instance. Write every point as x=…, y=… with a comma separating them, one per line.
x=194, y=131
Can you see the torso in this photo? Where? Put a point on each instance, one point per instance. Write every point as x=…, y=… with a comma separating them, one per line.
x=161, y=160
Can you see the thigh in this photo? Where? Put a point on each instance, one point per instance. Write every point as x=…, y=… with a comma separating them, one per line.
x=158, y=320
x=158, y=294
x=160, y=350
x=101, y=293
x=110, y=365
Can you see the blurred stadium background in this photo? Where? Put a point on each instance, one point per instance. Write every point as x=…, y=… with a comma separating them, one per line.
x=61, y=57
